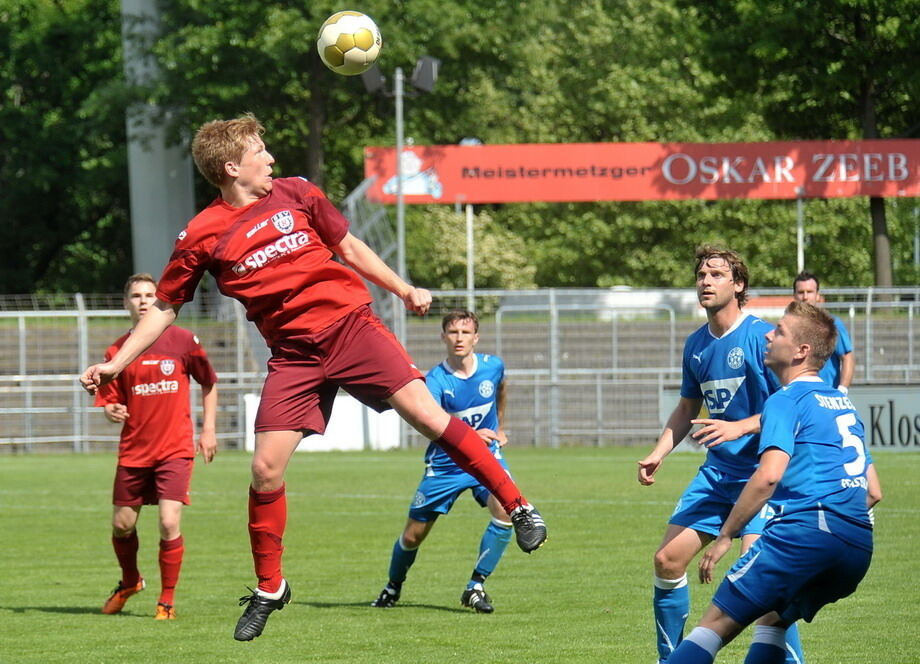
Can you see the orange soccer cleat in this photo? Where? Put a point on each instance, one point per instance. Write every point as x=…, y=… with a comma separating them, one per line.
x=165, y=612
x=116, y=601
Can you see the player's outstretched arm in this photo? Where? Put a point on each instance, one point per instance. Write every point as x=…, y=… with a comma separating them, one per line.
x=755, y=495
x=714, y=432
x=674, y=431
x=207, y=437
x=159, y=317
x=370, y=266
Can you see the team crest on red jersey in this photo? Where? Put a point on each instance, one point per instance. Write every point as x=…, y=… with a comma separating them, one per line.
x=167, y=367
x=284, y=221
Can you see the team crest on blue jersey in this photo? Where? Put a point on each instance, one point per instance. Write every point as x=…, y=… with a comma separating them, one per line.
x=486, y=388
x=419, y=499
x=284, y=221
x=736, y=357
x=167, y=367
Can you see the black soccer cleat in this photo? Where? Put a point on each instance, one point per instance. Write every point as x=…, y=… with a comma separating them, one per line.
x=387, y=598
x=529, y=527
x=477, y=599
x=252, y=622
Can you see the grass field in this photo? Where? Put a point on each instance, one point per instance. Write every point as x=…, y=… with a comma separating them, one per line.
x=584, y=597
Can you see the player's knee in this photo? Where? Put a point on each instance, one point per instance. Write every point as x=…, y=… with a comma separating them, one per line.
x=169, y=528
x=667, y=566
x=411, y=541
x=122, y=529
x=265, y=471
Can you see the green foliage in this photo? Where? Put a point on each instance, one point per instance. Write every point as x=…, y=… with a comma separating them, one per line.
x=541, y=71
x=436, y=243
x=586, y=594
x=62, y=166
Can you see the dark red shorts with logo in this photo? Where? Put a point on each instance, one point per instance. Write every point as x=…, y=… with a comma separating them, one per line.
x=357, y=353
x=147, y=486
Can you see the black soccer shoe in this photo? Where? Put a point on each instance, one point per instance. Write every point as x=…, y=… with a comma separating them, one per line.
x=387, y=598
x=529, y=528
x=252, y=622
x=477, y=599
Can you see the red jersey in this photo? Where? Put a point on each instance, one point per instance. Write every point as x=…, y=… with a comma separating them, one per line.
x=155, y=389
x=273, y=256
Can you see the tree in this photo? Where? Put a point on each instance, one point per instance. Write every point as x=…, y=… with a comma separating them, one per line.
x=62, y=167
x=823, y=69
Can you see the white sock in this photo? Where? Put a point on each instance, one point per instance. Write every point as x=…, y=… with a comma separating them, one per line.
x=275, y=595
x=773, y=636
x=670, y=584
x=706, y=639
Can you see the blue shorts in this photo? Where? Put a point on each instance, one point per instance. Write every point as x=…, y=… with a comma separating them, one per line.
x=792, y=569
x=708, y=501
x=436, y=494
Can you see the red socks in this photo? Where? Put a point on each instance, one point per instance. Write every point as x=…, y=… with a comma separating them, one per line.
x=267, y=518
x=171, y=553
x=126, y=552
x=467, y=450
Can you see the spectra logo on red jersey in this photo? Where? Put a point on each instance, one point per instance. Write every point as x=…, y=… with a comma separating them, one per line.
x=281, y=247
x=152, y=389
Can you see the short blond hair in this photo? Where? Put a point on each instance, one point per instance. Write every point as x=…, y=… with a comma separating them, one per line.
x=137, y=277
x=735, y=262
x=219, y=141
x=814, y=327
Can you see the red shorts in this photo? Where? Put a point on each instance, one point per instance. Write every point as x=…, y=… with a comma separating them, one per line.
x=357, y=353
x=147, y=486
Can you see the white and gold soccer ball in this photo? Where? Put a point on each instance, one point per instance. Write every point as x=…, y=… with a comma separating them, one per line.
x=349, y=43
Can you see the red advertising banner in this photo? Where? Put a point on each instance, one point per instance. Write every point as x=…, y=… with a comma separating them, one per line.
x=645, y=171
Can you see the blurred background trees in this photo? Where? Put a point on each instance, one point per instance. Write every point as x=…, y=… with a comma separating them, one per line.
x=511, y=72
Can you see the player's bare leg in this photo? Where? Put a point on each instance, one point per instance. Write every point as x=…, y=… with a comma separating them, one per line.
x=464, y=446
x=672, y=594
x=267, y=519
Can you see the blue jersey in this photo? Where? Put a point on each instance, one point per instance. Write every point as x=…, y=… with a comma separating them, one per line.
x=729, y=375
x=825, y=485
x=473, y=399
x=830, y=372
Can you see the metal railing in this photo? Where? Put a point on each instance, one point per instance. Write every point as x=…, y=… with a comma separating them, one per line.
x=585, y=366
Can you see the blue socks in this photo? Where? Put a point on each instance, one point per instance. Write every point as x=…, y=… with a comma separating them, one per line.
x=401, y=561
x=768, y=646
x=672, y=605
x=491, y=547
x=794, y=653
x=700, y=647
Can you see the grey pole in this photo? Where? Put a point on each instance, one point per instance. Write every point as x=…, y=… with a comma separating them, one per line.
x=800, y=230
x=400, y=202
x=470, y=261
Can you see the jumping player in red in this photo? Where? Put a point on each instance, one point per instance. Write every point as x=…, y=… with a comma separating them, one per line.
x=271, y=244
x=150, y=399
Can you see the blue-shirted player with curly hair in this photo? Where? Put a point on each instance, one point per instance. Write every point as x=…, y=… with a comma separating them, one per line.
x=816, y=472
x=723, y=371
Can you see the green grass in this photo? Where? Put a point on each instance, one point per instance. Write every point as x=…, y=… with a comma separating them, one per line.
x=584, y=597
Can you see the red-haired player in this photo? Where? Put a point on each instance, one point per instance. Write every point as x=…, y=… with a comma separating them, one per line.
x=271, y=244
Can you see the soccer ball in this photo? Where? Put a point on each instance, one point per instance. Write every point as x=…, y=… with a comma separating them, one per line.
x=349, y=43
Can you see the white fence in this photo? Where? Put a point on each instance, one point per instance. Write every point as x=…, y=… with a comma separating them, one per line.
x=587, y=366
